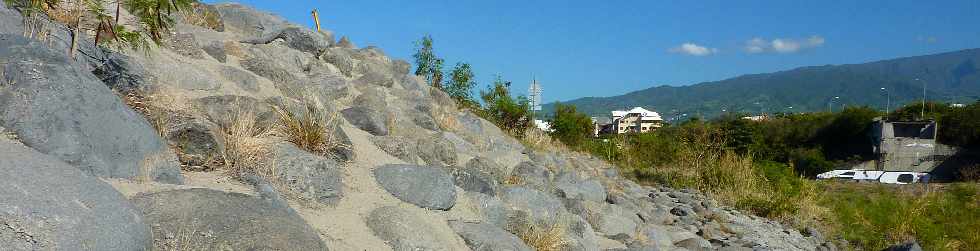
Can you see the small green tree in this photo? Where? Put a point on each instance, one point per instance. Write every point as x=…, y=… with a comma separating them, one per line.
x=961, y=126
x=154, y=15
x=460, y=85
x=427, y=64
x=510, y=113
x=570, y=126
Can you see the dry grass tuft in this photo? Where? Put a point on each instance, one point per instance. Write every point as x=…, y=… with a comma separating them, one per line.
x=313, y=130
x=243, y=148
x=513, y=180
x=543, y=238
x=447, y=121
x=540, y=140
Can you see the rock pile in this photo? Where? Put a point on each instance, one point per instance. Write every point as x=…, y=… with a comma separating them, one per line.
x=411, y=172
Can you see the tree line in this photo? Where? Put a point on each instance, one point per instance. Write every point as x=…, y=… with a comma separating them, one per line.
x=499, y=105
x=153, y=19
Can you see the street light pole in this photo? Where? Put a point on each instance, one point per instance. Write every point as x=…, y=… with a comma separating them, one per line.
x=830, y=105
x=888, y=100
x=922, y=114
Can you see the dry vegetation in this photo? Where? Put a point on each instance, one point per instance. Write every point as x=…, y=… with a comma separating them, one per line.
x=313, y=130
x=539, y=140
x=243, y=147
x=548, y=237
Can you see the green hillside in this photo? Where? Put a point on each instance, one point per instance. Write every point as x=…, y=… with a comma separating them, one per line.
x=950, y=77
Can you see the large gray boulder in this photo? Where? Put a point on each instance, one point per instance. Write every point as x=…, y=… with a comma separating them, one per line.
x=124, y=75
x=46, y=204
x=426, y=187
x=579, y=234
x=497, y=171
x=406, y=230
x=475, y=180
x=223, y=109
x=298, y=38
x=543, y=208
x=248, y=21
x=437, y=152
x=371, y=121
x=195, y=141
x=340, y=58
x=534, y=176
x=216, y=220
x=487, y=237
x=571, y=187
x=311, y=177
x=611, y=220
x=246, y=81
x=398, y=146
x=491, y=209
x=63, y=111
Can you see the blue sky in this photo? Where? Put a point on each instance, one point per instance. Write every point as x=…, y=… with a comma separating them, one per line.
x=602, y=48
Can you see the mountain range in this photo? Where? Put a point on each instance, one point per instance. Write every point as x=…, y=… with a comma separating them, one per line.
x=948, y=77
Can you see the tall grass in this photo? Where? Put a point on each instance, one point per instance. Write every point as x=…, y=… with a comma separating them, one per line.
x=875, y=216
x=537, y=139
x=542, y=237
x=312, y=130
x=698, y=157
x=243, y=148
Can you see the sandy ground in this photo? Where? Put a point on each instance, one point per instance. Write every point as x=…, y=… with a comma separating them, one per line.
x=341, y=226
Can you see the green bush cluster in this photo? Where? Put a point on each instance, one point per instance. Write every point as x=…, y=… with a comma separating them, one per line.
x=510, y=113
x=570, y=126
x=873, y=217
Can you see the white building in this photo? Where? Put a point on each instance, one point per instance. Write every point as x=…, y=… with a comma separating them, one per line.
x=635, y=120
x=543, y=125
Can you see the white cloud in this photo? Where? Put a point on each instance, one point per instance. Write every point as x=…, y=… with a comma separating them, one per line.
x=783, y=45
x=694, y=49
x=927, y=39
x=756, y=45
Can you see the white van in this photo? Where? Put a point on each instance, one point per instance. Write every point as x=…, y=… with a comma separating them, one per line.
x=857, y=175
x=901, y=177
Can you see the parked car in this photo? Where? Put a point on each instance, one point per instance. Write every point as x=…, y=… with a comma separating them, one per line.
x=856, y=175
x=902, y=177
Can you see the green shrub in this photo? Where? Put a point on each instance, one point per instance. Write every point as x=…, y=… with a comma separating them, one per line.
x=460, y=85
x=874, y=216
x=570, y=126
x=809, y=162
x=961, y=126
x=512, y=114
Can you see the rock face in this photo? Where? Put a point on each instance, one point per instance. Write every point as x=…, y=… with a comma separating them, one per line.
x=487, y=237
x=478, y=189
x=65, y=112
x=216, y=220
x=301, y=39
x=426, y=187
x=46, y=204
x=372, y=121
x=405, y=230
x=248, y=21
x=312, y=177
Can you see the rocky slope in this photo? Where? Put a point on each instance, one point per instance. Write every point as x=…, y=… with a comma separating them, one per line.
x=92, y=167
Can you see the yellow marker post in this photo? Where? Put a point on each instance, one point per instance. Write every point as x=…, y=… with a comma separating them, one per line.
x=316, y=20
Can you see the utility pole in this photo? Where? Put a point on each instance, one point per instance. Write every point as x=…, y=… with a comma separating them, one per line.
x=830, y=105
x=316, y=20
x=888, y=100
x=923, y=112
x=534, y=91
